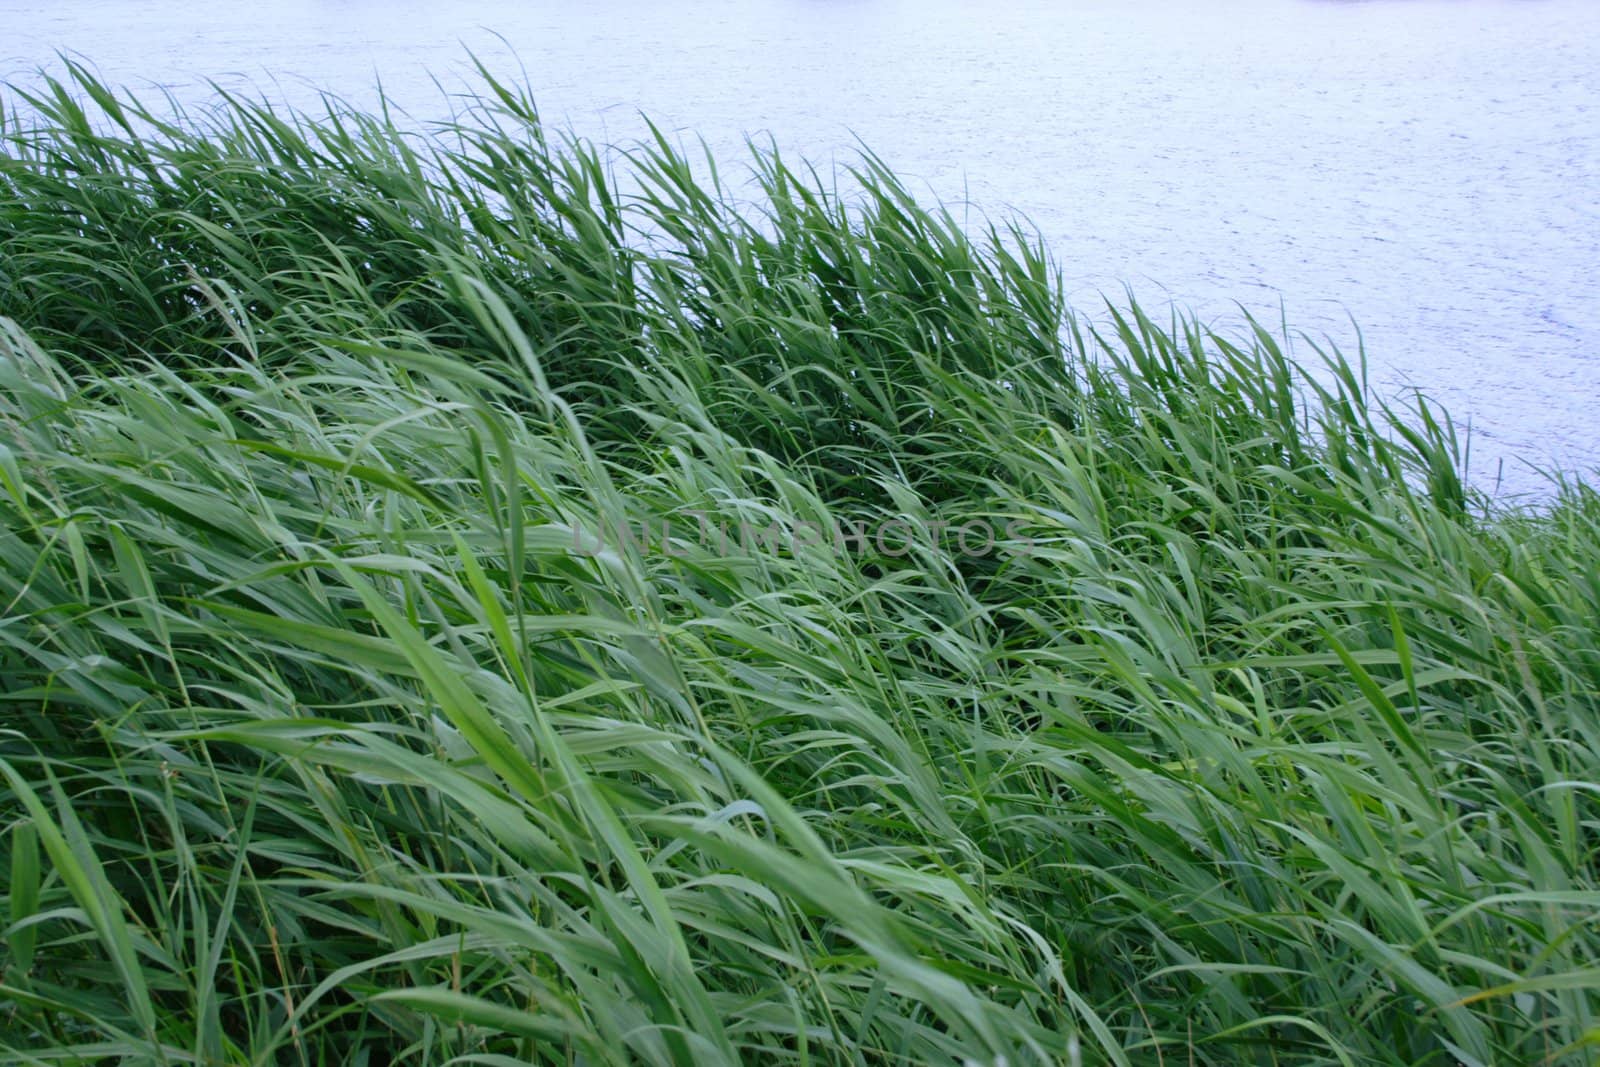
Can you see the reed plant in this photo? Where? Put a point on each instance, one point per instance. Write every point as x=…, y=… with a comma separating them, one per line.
x=451, y=617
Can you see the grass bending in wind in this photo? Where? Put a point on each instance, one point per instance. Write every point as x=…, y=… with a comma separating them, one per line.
x=330, y=736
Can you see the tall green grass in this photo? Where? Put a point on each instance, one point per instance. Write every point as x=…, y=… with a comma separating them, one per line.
x=329, y=737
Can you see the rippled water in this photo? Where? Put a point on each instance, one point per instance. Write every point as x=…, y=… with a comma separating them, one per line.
x=1430, y=168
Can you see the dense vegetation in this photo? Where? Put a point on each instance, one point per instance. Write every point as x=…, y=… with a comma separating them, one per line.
x=341, y=724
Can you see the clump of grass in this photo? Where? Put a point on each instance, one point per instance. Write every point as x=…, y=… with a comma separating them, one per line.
x=342, y=725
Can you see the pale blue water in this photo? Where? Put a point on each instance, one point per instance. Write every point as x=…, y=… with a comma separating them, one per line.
x=1429, y=167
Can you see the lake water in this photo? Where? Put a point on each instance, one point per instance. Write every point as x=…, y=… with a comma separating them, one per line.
x=1429, y=168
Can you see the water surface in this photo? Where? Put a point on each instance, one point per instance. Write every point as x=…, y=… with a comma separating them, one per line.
x=1430, y=168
